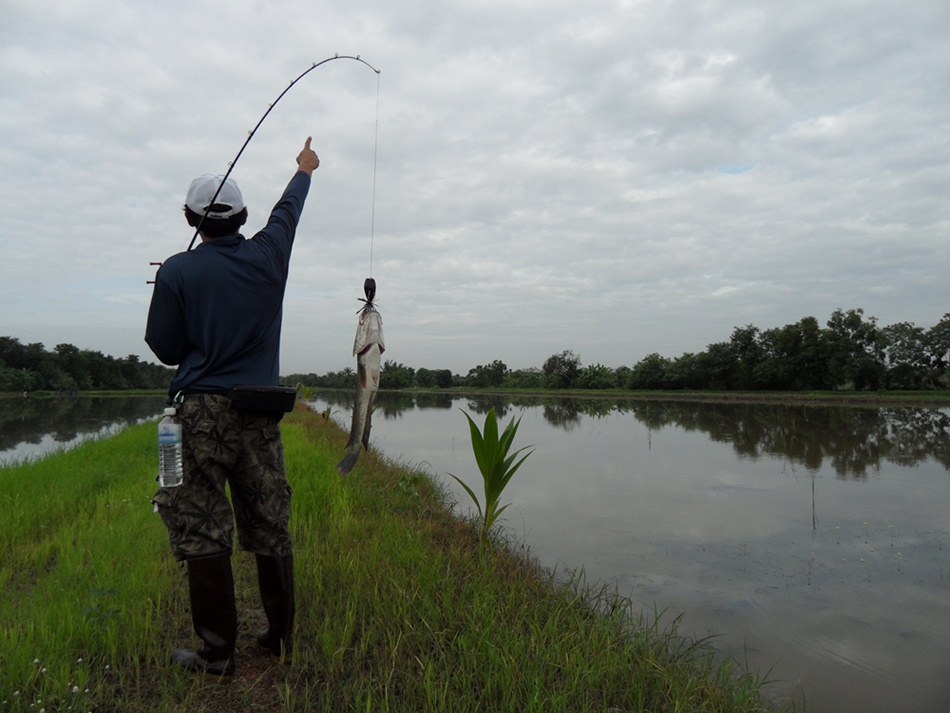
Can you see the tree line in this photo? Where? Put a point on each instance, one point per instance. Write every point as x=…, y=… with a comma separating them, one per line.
x=851, y=352
x=30, y=367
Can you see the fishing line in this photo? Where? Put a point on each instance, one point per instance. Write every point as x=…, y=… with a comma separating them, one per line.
x=253, y=131
x=372, y=225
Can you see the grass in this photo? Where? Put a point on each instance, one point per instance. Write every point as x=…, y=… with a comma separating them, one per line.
x=400, y=606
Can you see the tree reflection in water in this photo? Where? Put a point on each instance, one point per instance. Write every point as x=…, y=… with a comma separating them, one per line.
x=854, y=440
x=66, y=419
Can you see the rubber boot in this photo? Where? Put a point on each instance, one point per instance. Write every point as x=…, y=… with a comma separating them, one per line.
x=275, y=576
x=214, y=615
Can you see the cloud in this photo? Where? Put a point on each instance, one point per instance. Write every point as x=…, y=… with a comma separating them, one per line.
x=615, y=178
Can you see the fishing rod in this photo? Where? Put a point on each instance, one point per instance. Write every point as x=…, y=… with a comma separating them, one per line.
x=253, y=131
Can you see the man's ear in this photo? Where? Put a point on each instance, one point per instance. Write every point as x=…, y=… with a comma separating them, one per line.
x=242, y=216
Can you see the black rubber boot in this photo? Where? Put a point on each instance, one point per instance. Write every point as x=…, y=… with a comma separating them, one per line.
x=214, y=615
x=275, y=575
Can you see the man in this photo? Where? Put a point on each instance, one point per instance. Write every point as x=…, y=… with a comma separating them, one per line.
x=216, y=313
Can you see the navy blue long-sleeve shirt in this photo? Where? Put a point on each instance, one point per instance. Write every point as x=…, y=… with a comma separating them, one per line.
x=216, y=310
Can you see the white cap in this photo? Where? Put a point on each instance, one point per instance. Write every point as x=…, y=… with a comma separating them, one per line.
x=229, y=201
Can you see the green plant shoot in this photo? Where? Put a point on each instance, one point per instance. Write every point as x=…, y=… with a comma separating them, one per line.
x=496, y=465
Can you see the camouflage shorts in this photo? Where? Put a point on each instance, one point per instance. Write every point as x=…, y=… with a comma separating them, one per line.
x=221, y=446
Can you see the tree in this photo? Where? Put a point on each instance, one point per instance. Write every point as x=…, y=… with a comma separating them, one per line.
x=853, y=359
x=532, y=378
x=685, y=372
x=904, y=351
x=433, y=378
x=561, y=370
x=396, y=376
x=75, y=364
x=794, y=357
x=650, y=373
x=717, y=366
x=487, y=376
x=747, y=355
x=596, y=376
x=937, y=341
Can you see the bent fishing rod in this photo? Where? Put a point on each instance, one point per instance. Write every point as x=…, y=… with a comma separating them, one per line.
x=252, y=132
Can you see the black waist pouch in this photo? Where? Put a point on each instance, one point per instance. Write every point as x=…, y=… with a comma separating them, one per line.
x=268, y=400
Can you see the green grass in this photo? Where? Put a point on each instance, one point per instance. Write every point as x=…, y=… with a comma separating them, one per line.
x=400, y=607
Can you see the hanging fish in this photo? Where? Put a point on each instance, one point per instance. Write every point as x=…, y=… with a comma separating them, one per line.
x=368, y=348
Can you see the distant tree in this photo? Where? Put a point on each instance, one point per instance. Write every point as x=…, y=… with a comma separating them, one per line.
x=75, y=364
x=596, y=376
x=13, y=354
x=717, y=367
x=794, y=358
x=433, y=378
x=853, y=360
x=561, y=370
x=747, y=355
x=18, y=380
x=532, y=378
x=650, y=373
x=487, y=376
x=396, y=376
x=30, y=367
x=685, y=372
x=622, y=375
x=906, y=362
x=425, y=378
x=851, y=352
x=937, y=341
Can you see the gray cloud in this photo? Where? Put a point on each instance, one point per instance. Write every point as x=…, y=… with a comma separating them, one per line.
x=615, y=178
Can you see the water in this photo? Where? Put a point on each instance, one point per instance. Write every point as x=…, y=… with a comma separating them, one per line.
x=812, y=542
x=33, y=427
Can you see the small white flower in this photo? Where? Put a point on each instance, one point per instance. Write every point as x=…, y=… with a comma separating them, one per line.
x=75, y=689
x=36, y=660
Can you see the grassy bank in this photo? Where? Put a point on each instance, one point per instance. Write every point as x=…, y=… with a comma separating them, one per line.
x=399, y=608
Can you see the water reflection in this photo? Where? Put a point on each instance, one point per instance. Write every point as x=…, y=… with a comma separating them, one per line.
x=853, y=441
x=31, y=427
x=809, y=540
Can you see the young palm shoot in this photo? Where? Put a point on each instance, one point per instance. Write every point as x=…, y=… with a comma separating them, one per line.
x=496, y=465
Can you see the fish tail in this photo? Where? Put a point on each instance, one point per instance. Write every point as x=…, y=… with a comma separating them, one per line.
x=368, y=426
x=348, y=461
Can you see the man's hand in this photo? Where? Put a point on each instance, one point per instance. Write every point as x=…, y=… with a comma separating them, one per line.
x=307, y=160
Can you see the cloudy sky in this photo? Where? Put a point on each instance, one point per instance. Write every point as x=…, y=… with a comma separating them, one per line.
x=611, y=177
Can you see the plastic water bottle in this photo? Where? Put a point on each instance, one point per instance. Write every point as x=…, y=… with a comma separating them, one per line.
x=169, y=450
